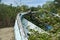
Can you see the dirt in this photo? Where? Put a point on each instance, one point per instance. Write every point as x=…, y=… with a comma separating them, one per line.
x=7, y=33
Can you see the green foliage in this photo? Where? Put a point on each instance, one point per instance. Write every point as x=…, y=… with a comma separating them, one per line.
x=7, y=15
x=57, y=3
x=45, y=16
x=41, y=18
x=24, y=8
x=38, y=36
x=35, y=35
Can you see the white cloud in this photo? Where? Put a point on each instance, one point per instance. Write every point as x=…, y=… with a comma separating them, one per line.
x=27, y=2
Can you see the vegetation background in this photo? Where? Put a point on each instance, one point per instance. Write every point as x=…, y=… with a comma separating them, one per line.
x=8, y=12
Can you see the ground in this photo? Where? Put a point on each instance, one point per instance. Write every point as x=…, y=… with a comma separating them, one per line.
x=7, y=33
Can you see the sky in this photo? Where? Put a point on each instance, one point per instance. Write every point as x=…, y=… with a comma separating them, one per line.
x=24, y=2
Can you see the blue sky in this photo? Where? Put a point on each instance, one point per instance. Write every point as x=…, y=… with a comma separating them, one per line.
x=25, y=2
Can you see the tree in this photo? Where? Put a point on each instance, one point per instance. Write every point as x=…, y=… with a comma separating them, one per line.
x=24, y=8
x=33, y=8
x=7, y=16
x=57, y=3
